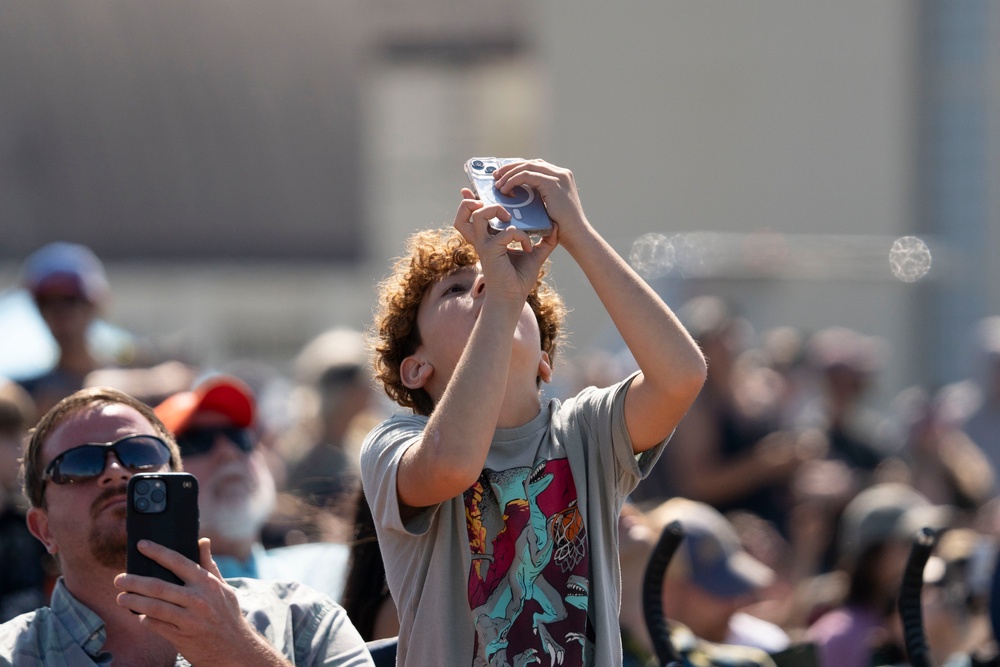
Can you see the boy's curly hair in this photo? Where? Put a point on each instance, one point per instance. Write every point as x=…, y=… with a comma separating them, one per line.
x=431, y=255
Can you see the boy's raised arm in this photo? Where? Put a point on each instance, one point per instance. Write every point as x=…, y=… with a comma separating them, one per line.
x=672, y=366
x=476, y=394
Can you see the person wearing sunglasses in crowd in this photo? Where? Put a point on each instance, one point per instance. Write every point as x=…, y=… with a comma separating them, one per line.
x=76, y=467
x=214, y=427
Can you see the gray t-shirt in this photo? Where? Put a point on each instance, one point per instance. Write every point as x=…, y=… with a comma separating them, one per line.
x=524, y=565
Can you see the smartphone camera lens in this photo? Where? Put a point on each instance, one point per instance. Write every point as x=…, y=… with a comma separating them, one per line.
x=142, y=488
x=490, y=170
x=477, y=164
x=142, y=504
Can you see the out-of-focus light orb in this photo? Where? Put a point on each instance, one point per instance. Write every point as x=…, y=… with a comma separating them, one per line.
x=652, y=255
x=909, y=259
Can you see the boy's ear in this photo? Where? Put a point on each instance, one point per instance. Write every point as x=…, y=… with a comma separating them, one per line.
x=415, y=372
x=545, y=367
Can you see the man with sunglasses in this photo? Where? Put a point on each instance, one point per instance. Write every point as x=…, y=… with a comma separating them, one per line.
x=214, y=425
x=76, y=466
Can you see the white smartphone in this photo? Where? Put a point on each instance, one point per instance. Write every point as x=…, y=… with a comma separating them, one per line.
x=524, y=204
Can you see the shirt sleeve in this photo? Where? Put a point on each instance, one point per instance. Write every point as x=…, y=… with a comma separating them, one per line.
x=381, y=453
x=604, y=411
x=302, y=623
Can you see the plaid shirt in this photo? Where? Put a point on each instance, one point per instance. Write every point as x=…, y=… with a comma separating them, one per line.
x=307, y=627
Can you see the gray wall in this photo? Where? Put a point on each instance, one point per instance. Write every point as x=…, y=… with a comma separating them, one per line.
x=248, y=171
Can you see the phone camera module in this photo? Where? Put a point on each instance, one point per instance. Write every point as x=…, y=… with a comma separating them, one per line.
x=478, y=164
x=150, y=496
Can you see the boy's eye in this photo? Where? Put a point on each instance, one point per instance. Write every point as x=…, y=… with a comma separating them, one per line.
x=454, y=288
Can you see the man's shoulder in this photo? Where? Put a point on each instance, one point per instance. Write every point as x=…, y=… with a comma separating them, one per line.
x=27, y=628
x=271, y=590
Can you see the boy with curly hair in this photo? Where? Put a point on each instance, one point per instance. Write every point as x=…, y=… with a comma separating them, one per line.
x=496, y=513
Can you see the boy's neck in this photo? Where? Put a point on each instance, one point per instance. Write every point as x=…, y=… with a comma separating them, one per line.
x=518, y=409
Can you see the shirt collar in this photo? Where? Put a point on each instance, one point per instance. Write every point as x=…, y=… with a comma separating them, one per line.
x=84, y=626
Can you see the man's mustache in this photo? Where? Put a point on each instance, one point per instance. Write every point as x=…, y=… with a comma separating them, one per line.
x=106, y=495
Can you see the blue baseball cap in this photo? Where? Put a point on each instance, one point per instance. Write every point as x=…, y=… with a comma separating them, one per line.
x=712, y=554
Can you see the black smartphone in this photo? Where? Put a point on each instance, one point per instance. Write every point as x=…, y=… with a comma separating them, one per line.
x=162, y=508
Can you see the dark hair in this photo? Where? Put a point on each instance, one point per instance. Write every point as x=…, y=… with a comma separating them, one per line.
x=17, y=410
x=365, y=589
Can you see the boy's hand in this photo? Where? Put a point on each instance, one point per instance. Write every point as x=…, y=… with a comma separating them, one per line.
x=557, y=187
x=509, y=273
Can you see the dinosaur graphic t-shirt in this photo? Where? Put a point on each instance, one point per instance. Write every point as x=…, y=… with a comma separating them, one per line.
x=521, y=569
x=530, y=572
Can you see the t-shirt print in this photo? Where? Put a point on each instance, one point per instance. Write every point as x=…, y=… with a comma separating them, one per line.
x=529, y=583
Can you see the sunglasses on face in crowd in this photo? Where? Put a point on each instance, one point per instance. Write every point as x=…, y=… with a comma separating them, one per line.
x=197, y=441
x=134, y=452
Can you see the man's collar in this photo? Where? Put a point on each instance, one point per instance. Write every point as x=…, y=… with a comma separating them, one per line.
x=83, y=625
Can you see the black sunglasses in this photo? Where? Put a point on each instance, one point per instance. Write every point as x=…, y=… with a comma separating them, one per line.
x=200, y=440
x=135, y=452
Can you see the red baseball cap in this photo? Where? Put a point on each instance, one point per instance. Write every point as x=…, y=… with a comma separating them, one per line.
x=225, y=394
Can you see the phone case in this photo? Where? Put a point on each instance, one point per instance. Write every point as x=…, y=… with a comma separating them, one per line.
x=525, y=206
x=162, y=508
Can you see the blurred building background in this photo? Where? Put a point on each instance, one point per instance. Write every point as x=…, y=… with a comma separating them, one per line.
x=246, y=170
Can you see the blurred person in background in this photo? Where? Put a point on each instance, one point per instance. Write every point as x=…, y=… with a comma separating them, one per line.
x=955, y=602
x=699, y=620
x=783, y=350
x=729, y=450
x=336, y=392
x=713, y=578
x=875, y=535
x=27, y=572
x=939, y=459
x=847, y=362
x=214, y=427
x=69, y=286
x=979, y=396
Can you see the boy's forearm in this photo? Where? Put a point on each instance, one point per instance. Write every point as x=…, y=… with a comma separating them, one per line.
x=451, y=455
x=673, y=367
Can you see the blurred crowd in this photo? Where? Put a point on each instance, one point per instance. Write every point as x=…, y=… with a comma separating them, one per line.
x=798, y=500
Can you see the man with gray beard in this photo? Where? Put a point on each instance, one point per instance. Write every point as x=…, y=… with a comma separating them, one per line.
x=214, y=426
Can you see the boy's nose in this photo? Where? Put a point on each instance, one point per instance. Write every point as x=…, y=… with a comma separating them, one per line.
x=479, y=287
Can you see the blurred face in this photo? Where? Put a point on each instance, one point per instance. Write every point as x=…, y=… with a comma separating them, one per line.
x=707, y=615
x=83, y=523
x=68, y=317
x=236, y=491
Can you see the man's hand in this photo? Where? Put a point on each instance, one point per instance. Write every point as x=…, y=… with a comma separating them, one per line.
x=202, y=618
